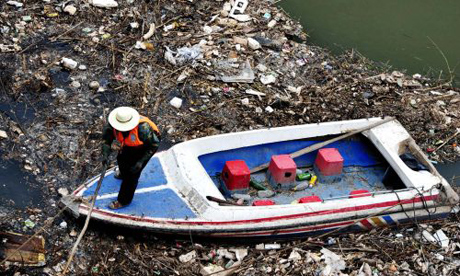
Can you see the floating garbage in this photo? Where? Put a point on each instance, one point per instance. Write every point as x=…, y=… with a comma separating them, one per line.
x=33, y=254
x=3, y=134
x=70, y=9
x=303, y=176
x=267, y=79
x=183, y=54
x=255, y=93
x=428, y=237
x=28, y=223
x=334, y=263
x=272, y=246
x=265, y=193
x=151, y=31
x=15, y=3
x=63, y=225
x=143, y=45
x=253, y=44
x=257, y=185
x=268, y=246
x=441, y=238
x=313, y=181
x=246, y=75
x=269, y=109
x=241, y=196
x=245, y=101
x=188, y=257
x=240, y=253
x=176, y=102
x=94, y=85
x=104, y=3
x=63, y=191
x=272, y=23
x=64, y=134
x=69, y=63
x=301, y=187
x=237, y=11
x=211, y=269
x=295, y=256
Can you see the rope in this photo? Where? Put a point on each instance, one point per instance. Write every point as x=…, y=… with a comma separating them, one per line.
x=356, y=221
x=88, y=216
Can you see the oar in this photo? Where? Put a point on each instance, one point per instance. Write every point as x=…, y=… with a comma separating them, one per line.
x=325, y=143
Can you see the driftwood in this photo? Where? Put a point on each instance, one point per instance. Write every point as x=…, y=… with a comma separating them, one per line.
x=30, y=254
x=222, y=202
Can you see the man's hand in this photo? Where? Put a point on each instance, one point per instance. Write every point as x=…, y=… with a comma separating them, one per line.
x=137, y=167
x=105, y=154
x=116, y=146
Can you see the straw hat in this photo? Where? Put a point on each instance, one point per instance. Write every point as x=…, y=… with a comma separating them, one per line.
x=124, y=118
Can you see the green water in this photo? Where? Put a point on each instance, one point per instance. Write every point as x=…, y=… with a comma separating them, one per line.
x=392, y=31
x=401, y=33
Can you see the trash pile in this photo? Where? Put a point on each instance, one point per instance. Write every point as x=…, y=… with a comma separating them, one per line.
x=420, y=250
x=197, y=68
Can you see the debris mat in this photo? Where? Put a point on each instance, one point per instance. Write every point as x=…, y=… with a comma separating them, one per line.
x=199, y=68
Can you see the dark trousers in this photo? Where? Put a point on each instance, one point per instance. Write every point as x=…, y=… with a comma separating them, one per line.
x=127, y=159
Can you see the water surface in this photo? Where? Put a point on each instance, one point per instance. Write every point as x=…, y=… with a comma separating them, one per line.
x=402, y=33
x=409, y=34
x=18, y=189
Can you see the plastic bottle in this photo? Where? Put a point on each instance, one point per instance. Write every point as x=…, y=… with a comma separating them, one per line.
x=301, y=186
x=257, y=185
x=312, y=182
x=242, y=196
x=303, y=176
x=265, y=193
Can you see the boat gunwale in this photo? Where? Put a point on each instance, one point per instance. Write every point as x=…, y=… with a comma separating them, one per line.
x=425, y=201
x=211, y=227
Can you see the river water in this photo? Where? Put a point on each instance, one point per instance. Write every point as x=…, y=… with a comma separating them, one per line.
x=18, y=189
x=400, y=33
x=409, y=34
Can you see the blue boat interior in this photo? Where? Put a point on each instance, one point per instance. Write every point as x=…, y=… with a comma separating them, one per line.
x=364, y=168
x=153, y=198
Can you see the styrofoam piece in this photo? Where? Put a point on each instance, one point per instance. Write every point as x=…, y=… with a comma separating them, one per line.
x=441, y=238
x=427, y=235
x=239, y=7
x=69, y=63
x=176, y=102
x=104, y=3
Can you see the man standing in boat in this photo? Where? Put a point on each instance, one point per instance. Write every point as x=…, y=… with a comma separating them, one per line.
x=136, y=139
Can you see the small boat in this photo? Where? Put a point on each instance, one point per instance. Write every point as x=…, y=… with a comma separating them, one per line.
x=384, y=180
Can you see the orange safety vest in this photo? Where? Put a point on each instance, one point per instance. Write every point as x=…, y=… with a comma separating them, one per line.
x=132, y=140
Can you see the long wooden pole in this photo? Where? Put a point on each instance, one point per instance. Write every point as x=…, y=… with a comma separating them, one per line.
x=88, y=216
x=325, y=143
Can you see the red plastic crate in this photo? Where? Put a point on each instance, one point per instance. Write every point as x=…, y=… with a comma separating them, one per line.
x=282, y=169
x=359, y=193
x=263, y=202
x=236, y=175
x=310, y=199
x=329, y=162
